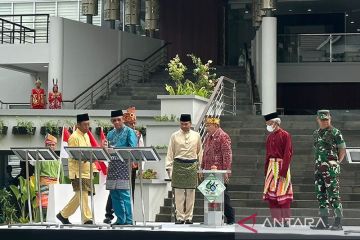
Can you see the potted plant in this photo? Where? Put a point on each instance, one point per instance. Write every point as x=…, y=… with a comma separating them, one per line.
x=23, y=127
x=8, y=212
x=188, y=95
x=3, y=128
x=149, y=174
x=142, y=130
x=21, y=194
x=105, y=125
x=166, y=118
x=52, y=128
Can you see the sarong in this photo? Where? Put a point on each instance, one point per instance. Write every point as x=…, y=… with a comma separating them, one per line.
x=184, y=174
x=276, y=189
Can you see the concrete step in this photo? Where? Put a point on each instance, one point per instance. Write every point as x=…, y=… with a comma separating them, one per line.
x=348, y=213
x=297, y=196
x=295, y=179
x=259, y=203
x=259, y=187
x=261, y=219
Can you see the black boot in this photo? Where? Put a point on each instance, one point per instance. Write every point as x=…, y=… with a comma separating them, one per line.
x=324, y=225
x=337, y=225
x=62, y=219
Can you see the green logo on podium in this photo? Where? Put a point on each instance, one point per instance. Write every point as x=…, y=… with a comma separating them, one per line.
x=211, y=188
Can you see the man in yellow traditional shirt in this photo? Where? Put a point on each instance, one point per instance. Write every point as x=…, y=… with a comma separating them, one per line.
x=182, y=162
x=79, y=138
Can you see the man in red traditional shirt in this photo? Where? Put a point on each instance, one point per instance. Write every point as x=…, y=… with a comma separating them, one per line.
x=278, y=188
x=38, y=97
x=218, y=155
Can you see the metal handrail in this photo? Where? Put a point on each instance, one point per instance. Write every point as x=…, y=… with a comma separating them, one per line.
x=8, y=104
x=318, y=34
x=216, y=105
x=250, y=76
x=18, y=30
x=127, y=70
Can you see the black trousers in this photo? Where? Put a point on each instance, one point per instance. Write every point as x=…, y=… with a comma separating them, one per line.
x=109, y=209
x=229, y=211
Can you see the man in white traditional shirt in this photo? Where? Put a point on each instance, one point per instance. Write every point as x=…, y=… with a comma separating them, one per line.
x=182, y=162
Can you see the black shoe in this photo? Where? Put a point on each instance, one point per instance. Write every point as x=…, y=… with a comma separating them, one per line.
x=230, y=223
x=188, y=222
x=324, y=225
x=107, y=221
x=337, y=225
x=179, y=222
x=62, y=219
x=88, y=222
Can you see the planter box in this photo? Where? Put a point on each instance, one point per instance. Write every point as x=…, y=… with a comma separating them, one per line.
x=4, y=130
x=44, y=131
x=23, y=131
x=179, y=104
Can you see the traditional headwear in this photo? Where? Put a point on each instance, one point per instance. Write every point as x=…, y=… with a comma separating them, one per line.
x=212, y=120
x=38, y=81
x=50, y=139
x=271, y=116
x=55, y=83
x=117, y=113
x=130, y=115
x=82, y=117
x=323, y=114
x=185, y=118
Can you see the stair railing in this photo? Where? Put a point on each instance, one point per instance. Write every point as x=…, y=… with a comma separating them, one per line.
x=128, y=71
x=251, y=81
x=222, y=101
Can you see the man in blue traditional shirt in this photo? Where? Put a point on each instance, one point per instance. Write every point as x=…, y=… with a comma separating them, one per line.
x=118, y=172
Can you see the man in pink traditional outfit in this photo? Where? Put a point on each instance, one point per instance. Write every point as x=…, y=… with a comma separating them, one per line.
x=278, y=188
x=218, y=155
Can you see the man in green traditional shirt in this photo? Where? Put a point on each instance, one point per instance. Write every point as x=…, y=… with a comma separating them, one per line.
x=50, y=172
x=330, y=150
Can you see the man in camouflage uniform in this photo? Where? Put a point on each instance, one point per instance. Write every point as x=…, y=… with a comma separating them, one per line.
x=329, y=147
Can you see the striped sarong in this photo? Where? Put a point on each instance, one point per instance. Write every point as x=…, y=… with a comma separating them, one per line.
x=276, y=189
x=45, y=182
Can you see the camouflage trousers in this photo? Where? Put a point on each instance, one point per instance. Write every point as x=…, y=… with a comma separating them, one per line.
x=327, y=188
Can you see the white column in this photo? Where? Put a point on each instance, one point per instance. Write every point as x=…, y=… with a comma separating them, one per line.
x=268, y=65
x=56, y=59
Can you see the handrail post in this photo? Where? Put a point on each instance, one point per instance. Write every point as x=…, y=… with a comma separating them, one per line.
x=234, y=99
x=47, y=28
x=92, y=98
x=331, y=50
x=107, y=89
x=2, y=31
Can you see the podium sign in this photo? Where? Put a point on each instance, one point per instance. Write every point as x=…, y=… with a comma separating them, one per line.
x=213, y=190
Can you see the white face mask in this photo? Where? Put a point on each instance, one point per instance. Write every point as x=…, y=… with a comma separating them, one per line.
x=269, y=128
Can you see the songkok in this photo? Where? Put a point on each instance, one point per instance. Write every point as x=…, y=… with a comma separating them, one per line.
x=130, y=115
x=185, y=118
x=82, y=117
x=50, y=139
x=323, y=114
x=271, y=116
x=213, y=120
x=116, y=113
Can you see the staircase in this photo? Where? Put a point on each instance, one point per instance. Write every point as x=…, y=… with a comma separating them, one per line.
x=141, y=95
x=248, y=136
